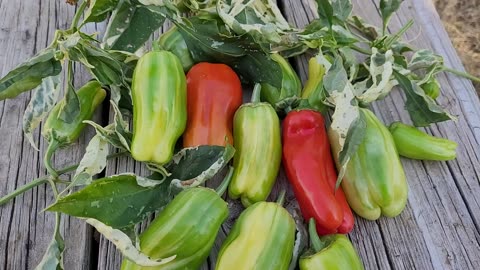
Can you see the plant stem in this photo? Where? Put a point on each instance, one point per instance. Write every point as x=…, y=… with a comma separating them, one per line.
x=317, y=243
x=47, y=161
x=226, y=181
x=360, y=50
x=22, y=189
x=256, y=93
x=281, y=198
x=45, y=179
x=462, y=74
x=78, y=15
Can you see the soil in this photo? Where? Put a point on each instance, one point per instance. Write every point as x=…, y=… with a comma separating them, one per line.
x=462, y=22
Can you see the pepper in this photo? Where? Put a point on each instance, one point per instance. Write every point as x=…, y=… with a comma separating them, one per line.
x=291, y=85
x=415, y=144
x=257, y=140
x=431, y=88
x=262, y=238
x=186, y=229
x=374, y=181
x=214, y=93
x=159, y=106
x=313, y=90
x=331, y=252
x=310, y=169
x=173, y=41
x=60, y=133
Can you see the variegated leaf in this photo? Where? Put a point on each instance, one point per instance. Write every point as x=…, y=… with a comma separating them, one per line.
x=93, y=162
x=42, y=102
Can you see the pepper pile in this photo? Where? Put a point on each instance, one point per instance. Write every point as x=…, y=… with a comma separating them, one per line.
x=188, y=89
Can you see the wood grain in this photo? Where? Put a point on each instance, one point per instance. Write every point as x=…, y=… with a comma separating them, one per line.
x=439, y=229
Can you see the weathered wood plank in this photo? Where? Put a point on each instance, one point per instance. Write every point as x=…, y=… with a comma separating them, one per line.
x=25, y=233
x=439, y=228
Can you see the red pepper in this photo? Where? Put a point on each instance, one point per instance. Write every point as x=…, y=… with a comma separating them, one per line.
x=311, y=171
x=214, y=93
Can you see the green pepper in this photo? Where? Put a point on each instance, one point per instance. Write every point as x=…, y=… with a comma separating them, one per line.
x=331, y=252
x=173, y=41
x=415, y=144
x=431, y=88
x=291, y=85
x=374, y=181
x=186, y=228
x=159, y=94
x=257, y=140
x=262, y=238
x=313, y=90
x=60, y=133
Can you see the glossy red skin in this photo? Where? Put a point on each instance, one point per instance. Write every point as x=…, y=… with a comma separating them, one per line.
x=310, y=169
x=214, y=93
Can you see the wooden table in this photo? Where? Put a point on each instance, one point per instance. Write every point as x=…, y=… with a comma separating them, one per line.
x=439, y=229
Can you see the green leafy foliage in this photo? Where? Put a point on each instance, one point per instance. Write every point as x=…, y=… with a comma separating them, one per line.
x=387, y=8
x=120, y=201
x=30, y=74
x=98, y=10
x=423, y=109
x=130, y=26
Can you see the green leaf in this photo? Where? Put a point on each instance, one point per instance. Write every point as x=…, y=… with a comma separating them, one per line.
x=130, y=26
x=423, y=109
x=370, y=31
x=43, y=100
x=336, y=78
x=70, y=105
x=387, y=8
x=98, y=10
x=30, y=74
x=209, y=42
x=53, y=257
x=342, y=9
x=123, y=200
x=325, y=12
x=424, y=59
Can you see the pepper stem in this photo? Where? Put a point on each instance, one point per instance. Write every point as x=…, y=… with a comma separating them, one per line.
x=78, y=15
x=256, y=93
x=226, y=181
x=281, y=197
x=317, y=243
x=47, y=161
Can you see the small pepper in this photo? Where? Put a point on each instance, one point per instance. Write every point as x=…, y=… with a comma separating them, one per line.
x=291, y=85
x=60, y=133
x=262, y=238
x=214, y=93
x=186, y=228
x=415, y=144
x=310, y=169
x=313, y=90
x=374, y=181
x=173, y=41
x=159, y=94
x=331, y=252
x=256, y=136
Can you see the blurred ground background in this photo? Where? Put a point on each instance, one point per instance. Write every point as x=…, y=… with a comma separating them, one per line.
x=462, y=21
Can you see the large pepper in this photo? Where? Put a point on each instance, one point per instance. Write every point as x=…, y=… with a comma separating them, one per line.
x=331, y=252
x=313, y=89
x=214, y=93
x=415, y=144
x=60, y=133
x=159, y=94
x=261, y=238
x=310, y=169
x=173, y=41
x=291, y=84
x=256, y=136
x=374, y=180
x=187, y=228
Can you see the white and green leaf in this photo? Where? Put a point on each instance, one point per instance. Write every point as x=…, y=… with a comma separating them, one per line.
x=92, y=163
x=125, y=245
x=43, y=100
